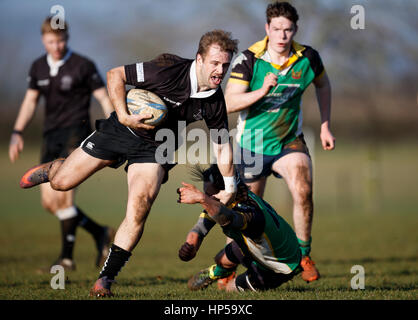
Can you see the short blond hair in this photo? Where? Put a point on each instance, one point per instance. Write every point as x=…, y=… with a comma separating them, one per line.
x=46, y=27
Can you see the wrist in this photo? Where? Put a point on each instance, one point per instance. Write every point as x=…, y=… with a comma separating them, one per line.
x=263, y=91
x=123, y=118
x=230, y=184
x=19, y=132
x=202, y=199
x=325, y=126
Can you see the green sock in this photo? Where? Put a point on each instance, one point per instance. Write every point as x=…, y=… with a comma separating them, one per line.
x=305, y=246
x=221, y=272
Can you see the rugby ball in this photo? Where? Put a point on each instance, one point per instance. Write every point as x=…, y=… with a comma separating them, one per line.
x=141, y=101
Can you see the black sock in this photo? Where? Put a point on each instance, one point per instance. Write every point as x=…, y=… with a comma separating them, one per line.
x=115, y=261
x=68, y=229
x=89, y=225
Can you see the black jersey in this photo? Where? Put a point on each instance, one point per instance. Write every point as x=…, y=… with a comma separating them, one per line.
x=168, y=76
x=68, y=93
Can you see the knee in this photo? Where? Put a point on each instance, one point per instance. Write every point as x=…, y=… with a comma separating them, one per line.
x=54, y=202
x=301, y=186
x=60, y=184
x=49, y=205
x=303, y=192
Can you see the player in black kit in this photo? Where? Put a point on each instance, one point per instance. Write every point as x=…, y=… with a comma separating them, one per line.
x=191, y=91
x=66, y=80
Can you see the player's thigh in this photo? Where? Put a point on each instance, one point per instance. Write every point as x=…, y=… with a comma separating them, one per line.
x=76, y=168
x=53, y=200
x=295, y=168
x=144, y=182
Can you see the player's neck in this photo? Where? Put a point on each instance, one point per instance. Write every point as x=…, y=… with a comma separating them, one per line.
x=61, y=57
x=279, y=58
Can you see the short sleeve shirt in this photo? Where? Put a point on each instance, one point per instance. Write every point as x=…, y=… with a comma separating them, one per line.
x=276, y=119
x=68, y=94
x=168, y=76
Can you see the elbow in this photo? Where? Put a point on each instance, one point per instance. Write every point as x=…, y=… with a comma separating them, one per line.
x=229, y=105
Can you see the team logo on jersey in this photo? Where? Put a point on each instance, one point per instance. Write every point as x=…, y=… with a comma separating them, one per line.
x=66, y=82
x=238, y=60
x=296, y=74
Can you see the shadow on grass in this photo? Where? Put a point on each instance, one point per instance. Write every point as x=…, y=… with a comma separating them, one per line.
x=369, y=260
x=153, y=281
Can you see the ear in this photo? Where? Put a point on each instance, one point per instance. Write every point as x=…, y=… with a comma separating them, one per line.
x=266, y=27
x=199, y=59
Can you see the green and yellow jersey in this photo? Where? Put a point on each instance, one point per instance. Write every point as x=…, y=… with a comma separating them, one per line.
x=278, y=114
x=265, y=235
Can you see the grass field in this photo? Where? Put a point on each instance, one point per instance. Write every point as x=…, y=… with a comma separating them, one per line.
x=365, y=214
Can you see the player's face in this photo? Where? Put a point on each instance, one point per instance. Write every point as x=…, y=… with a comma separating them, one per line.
x=212, y=68
x=55, y=44
x=280, y=32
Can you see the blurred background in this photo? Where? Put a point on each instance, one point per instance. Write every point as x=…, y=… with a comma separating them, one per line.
x=373, y=72
x=367, y=186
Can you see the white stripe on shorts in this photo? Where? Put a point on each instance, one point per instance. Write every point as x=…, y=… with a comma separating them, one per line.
x=81, y=144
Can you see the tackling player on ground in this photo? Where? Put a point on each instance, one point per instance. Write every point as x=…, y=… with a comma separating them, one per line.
x=191, y=90
x=263, y=241
x=66, y=80
x=266, y=86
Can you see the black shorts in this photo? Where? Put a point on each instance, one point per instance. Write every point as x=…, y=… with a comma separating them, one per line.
x=256, y=277
x=262, y=164
x=114, y=141
x=59, y=143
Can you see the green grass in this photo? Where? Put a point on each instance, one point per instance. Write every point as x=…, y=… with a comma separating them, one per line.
x=361, y=218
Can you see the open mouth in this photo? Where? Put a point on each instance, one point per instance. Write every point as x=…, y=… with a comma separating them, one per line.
x=216, y=80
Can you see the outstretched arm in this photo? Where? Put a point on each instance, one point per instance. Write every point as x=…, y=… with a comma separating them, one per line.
x=195, y=237
x=216, y=210
x=226, y=167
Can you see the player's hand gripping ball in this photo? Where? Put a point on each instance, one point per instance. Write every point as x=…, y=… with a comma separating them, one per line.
x=141, y=101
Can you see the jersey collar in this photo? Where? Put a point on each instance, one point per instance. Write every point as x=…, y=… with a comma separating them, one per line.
x=55, y=65
x=193, y=81
x=260, y=52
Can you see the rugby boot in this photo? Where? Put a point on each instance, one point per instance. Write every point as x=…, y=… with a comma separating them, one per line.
x=37, y=175
x=223, y=282
x=101, y=288
x=202, y=279
x=103, y=245
x=310, y=272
